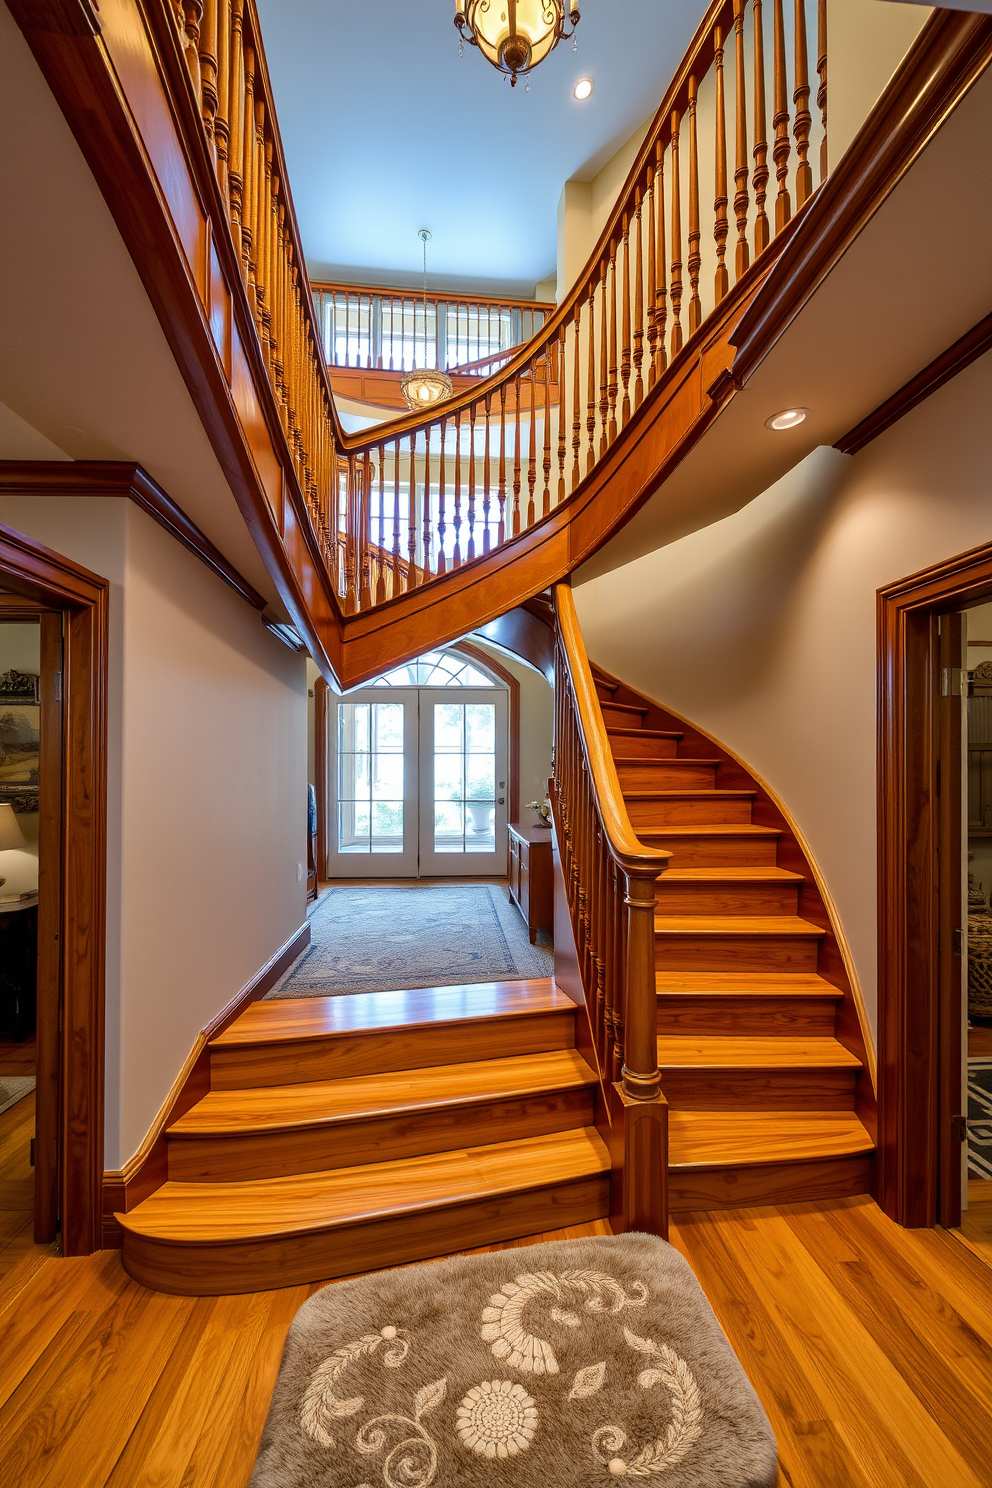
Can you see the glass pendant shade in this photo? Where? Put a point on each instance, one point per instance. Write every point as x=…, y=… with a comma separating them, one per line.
x=514, y=35
x=425, y=386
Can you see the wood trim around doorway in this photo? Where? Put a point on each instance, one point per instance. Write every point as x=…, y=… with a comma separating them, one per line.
x=909, y=829
x=75, y=899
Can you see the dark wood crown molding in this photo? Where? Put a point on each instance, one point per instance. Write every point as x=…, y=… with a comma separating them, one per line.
x=965, y=350
x=121, y=478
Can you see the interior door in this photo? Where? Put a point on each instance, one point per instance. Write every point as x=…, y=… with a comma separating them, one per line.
x=951, y=1095
x=373, y=831
x=463, y=782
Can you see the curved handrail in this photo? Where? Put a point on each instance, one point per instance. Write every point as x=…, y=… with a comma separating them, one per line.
x=620, y=837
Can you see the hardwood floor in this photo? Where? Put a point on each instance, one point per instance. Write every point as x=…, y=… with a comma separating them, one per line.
x=17, y=1059
x=976, y=1222
x=869, y=1346
x=19, y=1256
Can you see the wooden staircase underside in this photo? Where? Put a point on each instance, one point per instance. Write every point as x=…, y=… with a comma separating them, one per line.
x=760, y=1044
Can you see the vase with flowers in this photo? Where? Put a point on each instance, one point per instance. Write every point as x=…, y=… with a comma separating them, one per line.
x=543, y=809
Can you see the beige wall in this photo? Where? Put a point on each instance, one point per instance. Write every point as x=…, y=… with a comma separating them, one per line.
x=866, y=41
x=20, y=650
x=761, y=628
x=583, y=208
x=536, y=727
x=206, y=815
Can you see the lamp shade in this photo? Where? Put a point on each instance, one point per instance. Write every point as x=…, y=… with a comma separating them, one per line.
x=515, y=35
x=10, y=828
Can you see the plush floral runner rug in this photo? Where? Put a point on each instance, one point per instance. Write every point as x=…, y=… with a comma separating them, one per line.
x=387, y=938
x=561, y=1365
x=980, y=1117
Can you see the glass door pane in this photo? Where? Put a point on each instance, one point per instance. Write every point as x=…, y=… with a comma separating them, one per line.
x=373, y=828
x=463, y=783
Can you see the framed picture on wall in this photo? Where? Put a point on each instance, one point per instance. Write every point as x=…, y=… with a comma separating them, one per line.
x=20, y=718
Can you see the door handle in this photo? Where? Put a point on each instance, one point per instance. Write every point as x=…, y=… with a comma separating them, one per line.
x=500, y=801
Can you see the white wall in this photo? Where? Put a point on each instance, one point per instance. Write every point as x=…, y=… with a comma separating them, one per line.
x=537, y=706
x=207, y=803
x=761, y=628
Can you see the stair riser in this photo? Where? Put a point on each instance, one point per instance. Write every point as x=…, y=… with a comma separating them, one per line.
x=735, y=952
x=727, y=1089
x=768, y=1183
x=743, y=1016
x=210, y=1270
x=732, y=899
x=246, y=1157
x=686, y=813
x=294, y=1061
x=617, y=716
x=715, y=852
x=646, y=748
x=665, y=775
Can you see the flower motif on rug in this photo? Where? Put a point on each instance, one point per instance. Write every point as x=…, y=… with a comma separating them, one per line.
x=502, y=1321
x=321, y=1403
x=684, y=1428
x=497, y=1419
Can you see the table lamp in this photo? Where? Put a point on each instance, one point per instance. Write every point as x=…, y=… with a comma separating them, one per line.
x=11, y=835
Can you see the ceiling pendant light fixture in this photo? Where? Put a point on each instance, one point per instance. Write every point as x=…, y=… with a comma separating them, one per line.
x=425, y=385
x=515, y=35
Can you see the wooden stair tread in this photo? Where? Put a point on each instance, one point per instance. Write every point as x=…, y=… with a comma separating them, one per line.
x=743, y=984
x=735, y=925
x=677, y=759
x=640, y=733
x=705, y=1139
x=378, y=1012
x=749, y=873
x=197, y=1213
x=707, y=829
x=290, y=1107
x=641, y=708
x=733, y=1052
x=702, y=794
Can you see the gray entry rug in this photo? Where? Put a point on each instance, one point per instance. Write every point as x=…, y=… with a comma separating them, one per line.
x=390, y=938
x=14, y=1088
x=980, y=1117
x=563, y=1365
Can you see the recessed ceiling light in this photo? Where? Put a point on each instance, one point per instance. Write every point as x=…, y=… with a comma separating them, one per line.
x=787, y=419
x=582, y=88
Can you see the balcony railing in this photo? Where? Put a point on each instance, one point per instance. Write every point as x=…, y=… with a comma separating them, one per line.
x=388, y=330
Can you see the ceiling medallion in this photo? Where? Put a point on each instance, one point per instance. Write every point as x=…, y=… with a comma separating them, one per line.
x=425, y=385
x=515, y=35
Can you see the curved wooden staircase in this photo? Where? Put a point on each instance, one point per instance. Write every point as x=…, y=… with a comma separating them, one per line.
x=343, y=1134
x=760, y=1043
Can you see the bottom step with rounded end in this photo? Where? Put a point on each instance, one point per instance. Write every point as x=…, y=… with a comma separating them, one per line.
x=210, y=1239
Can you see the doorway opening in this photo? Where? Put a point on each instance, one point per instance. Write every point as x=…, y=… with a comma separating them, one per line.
x=976, y=1218
x=419, y=772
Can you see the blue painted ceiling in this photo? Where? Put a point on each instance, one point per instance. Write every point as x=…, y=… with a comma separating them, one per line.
x=386, y=130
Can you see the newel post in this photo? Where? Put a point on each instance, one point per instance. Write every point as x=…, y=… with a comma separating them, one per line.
x=641, y=1076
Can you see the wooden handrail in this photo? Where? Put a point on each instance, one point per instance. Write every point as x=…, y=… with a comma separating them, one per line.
x=609, y=875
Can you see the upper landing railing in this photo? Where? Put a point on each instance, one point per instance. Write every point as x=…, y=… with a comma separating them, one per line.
x=728, y=159
x=388, y=329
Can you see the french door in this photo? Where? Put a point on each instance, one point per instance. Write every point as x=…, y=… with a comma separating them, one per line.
x=418, y=783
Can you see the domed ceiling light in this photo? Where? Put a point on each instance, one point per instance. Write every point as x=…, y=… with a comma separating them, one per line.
x=425, y=385
x=515, y=35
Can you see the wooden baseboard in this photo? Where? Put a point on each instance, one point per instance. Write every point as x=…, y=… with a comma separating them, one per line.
x=148, y=1168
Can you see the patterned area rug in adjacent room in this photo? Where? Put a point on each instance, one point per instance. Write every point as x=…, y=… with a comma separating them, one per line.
x=566, y=1365
x=14, y=1088
x=388, y=938
x=980, y=1117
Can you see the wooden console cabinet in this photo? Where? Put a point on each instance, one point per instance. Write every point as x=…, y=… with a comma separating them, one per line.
x=532, y=884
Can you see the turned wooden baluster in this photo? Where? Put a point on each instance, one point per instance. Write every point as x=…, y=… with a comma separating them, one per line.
x=659, y=313
x=352, y=519
x=676, y=283
x=411, y=508
x=532, y=443
x=613, y=383
x=222, y=121
x=208, y=71
x=380, y=588
x=741, y=200
x=625, y=346
x=562, y=332
x=486, y=479
x=641, y=1076
x=235, y=161
x=638, y=298
x=501, y=495
x=546, y=463
x=428, y=512
x=456, y=555
x=591, y=380
x=472, y=413
x=821, y=72
x=720, y=227
x=577, y=396
x=516, y=455
x=364, y=533
x=598, y=908
x=248, y=183
x=441, y=565
x=695, y=236
x=397, y=562
x=652, y=324
x=802, y=118
x=781, y=148
x=192, y=10
x=760, y=174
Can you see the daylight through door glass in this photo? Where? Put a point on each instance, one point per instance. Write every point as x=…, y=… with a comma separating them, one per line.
x=464, y=777
x=370, y=777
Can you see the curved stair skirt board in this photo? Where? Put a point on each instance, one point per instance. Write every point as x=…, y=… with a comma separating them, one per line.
x=125, y=1187
x=753, y=979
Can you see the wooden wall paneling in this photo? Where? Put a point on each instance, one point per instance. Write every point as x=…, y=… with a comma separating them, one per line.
x=320, y=727
x=911, y=975
x=949, y=690
x=44, y=577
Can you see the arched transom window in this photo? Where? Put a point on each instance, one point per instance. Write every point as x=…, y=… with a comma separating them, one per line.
x=436, y=669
